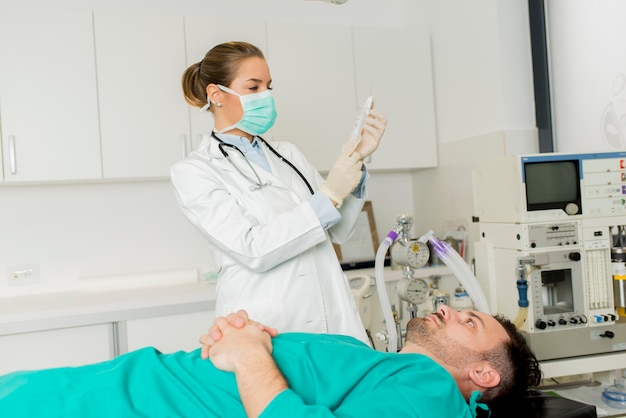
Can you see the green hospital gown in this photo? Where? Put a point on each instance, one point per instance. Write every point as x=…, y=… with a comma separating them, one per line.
x=328, y=375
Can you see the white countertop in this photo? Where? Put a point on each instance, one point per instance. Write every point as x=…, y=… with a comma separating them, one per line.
x=77, y=308
x=39, y=312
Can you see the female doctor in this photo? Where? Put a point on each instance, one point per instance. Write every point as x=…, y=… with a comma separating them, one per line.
x=269, y=214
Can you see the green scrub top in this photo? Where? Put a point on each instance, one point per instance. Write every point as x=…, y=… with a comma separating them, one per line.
x=328, y=375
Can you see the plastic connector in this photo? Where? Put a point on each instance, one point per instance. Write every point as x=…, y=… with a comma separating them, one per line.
x=522, y=290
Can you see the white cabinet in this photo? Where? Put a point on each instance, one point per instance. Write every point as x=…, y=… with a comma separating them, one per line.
x=313, y=77
x=168, y=333
x=71, y=112
x=144, y=119
x=395, y=65
x=56, y=348
x=201, y=36
x=322, y=75
x=48, y=99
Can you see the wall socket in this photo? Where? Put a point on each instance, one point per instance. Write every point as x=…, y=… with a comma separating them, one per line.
x=21, y=275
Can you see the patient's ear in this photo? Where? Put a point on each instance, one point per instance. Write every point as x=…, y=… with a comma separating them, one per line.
x=484, y=375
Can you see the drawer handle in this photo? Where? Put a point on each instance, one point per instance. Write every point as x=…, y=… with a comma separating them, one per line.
x=12, y=161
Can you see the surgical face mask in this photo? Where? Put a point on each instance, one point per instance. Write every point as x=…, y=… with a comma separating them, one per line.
x=259, y=112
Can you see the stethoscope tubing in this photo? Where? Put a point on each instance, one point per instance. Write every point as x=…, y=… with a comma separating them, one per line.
x=258, y=184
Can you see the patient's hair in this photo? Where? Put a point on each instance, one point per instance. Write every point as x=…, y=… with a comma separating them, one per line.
x=219, y=66
x=514, y=360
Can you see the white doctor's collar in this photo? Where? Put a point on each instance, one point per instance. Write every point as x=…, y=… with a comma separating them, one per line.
x=240, y=142
x=253, y=151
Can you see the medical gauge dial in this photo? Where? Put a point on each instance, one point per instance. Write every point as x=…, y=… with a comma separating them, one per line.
x=413, y=290
x=413, y=253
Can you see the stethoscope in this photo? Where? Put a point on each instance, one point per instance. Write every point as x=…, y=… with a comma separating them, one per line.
x=257, y=183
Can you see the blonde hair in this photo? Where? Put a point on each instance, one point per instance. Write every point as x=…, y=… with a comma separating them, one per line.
x=219, y=66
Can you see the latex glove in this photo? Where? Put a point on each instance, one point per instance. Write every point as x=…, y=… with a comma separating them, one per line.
x=343, y=177
x=373, y=131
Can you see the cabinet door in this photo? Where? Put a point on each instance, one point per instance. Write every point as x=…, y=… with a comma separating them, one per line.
x=313, y=78
x=144, y=120
x=48, y=98
x=394, y=64
x=56, y=348
x=168, y=333
x=200, y=38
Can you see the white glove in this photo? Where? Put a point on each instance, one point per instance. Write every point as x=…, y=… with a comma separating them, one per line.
x=343, y=177
x=372, y=133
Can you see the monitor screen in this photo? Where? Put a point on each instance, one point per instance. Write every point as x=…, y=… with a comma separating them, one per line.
x=552, y=184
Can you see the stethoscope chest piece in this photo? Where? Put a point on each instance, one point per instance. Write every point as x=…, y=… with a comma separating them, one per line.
x=254, y=187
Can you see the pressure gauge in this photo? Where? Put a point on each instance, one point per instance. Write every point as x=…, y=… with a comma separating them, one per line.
x=413, y=253
x=413, y=290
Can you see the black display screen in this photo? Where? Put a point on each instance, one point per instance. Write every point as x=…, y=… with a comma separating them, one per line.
x=552, y=184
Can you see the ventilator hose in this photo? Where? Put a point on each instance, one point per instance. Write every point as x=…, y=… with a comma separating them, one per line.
x=385, y=305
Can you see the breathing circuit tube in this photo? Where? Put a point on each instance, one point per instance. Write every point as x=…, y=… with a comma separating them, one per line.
x=450, y=258
x=379, y=264
x=461, y=270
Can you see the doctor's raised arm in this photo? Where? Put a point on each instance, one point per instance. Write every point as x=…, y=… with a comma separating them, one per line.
x=266, y=211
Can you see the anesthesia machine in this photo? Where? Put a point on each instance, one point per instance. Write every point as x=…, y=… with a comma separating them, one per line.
x=413, y=254
x=551, y=251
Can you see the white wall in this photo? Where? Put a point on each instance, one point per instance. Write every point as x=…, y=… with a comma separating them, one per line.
x=483, y=93
x=481, y=64
x=484, y=103
x=84, y=230
x=588, y=81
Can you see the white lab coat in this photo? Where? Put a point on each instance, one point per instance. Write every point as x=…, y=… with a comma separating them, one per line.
x=277, y=260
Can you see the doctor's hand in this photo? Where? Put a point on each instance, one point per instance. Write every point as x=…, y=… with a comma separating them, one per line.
x=373, y=131
x=236, y=320
x=343, y=177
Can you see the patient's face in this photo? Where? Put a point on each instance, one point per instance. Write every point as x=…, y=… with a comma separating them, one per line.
x=456, y=338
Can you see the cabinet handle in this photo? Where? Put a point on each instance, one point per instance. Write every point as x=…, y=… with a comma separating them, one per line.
x=183, y=145
x=12, y=162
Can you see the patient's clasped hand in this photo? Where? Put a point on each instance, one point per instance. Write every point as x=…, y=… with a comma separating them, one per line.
x=247, y=369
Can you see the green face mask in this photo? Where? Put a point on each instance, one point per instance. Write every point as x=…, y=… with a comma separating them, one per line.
x=259, y=112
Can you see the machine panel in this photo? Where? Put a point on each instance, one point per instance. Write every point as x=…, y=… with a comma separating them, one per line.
x=548, y=257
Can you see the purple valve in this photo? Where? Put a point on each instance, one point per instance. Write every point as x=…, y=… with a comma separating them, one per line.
x=441, y=247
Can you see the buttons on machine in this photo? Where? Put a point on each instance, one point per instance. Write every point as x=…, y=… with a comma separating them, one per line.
x=573, y=320
x=547, y=323
x=554, y=235
x=604, y=318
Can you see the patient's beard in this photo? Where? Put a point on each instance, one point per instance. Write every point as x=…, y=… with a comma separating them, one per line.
x=439, y=344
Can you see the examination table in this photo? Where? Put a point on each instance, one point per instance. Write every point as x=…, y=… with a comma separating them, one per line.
x=543, y=405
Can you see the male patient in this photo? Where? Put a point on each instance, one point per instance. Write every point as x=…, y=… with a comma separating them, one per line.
x=449, y=361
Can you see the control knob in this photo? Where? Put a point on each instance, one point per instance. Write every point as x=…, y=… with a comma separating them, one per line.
x=575, y=256
x=540, y=324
